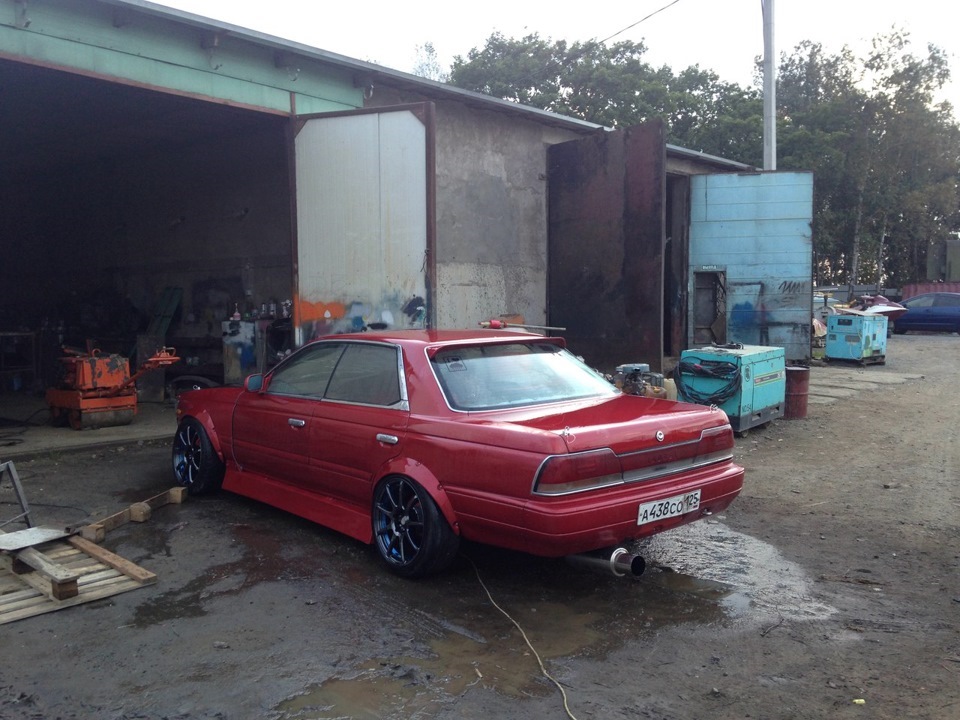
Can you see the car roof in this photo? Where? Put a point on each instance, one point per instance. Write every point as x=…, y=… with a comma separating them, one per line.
x=424, y=338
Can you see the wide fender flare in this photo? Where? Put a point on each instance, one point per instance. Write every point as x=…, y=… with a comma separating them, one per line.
x=203, y=417
x=416, y=470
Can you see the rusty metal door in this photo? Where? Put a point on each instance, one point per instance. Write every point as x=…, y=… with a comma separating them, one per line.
x=709, y=306
x=606, y=244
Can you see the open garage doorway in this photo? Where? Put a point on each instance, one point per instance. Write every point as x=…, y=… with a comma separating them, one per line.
x=116, y=194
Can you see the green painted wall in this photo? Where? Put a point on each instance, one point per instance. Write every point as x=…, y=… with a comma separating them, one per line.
x=120, y=43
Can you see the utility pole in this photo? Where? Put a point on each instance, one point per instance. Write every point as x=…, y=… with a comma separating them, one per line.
x=769, y=89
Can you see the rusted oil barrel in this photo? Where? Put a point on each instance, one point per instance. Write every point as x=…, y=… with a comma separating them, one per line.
x=798, y=388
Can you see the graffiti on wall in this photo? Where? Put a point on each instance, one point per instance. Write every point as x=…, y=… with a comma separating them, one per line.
x=768, y=314
x=319, y=318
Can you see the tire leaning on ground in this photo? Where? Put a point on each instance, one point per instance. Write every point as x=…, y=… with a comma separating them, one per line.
x=412, y=536
x=196, y=465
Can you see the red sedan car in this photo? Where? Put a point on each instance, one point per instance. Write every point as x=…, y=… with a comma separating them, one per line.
x=412, y=440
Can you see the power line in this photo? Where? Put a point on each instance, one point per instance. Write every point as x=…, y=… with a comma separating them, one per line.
x=619, y=32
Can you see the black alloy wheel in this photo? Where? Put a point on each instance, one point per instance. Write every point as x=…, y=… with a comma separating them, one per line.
x=411, y=534
x=196, y=464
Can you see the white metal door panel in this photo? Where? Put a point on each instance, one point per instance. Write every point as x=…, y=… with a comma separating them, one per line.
x=403, y=204
x=361, y=223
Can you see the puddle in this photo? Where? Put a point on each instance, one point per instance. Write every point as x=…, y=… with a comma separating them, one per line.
x=362, y=697
x=704, y=573
x=708, y=556
x=440, y=638
x=266, y=558
x=153, y=540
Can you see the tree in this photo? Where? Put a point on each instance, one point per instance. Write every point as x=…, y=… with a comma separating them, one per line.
x=612, y=86
x=885, y=155
x=427, y=64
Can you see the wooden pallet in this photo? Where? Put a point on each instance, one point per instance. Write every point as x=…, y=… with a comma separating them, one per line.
x=39, y=575
x=97, y=573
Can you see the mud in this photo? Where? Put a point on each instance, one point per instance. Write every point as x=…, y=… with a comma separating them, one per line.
x=835, y=578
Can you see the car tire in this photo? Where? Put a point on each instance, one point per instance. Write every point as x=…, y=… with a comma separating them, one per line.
x=412, y=536
x=898, y=330
x=196, y=465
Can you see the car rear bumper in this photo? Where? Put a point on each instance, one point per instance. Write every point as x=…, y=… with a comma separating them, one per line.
x=554, y=527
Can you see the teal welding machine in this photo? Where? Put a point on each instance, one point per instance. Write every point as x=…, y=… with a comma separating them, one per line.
x=747, y=382
x=858, y=337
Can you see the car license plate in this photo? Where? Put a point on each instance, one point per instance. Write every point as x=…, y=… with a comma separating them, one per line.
x=668, y=508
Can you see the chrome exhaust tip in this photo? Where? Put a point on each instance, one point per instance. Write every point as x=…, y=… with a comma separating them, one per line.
x=618, y=561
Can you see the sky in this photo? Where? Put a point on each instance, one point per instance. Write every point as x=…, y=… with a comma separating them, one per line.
x=721, y=35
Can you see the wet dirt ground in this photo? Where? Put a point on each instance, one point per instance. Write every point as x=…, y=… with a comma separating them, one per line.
x=829, y=589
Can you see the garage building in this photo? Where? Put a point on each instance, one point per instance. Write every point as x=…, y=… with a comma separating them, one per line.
x=164, y=173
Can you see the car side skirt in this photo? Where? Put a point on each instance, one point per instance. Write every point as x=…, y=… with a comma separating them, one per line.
x=339, y=516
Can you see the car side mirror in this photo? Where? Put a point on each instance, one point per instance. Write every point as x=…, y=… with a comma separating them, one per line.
x=253, y=383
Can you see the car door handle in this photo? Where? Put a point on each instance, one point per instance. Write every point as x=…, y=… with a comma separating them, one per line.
x=296, y=422
x=387, y=439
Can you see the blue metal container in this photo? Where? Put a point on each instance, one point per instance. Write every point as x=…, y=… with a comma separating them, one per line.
x=747, y=382
x=859, y=337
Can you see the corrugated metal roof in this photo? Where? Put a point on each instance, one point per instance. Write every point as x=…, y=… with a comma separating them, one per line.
x=379, y=72
x=397, y=78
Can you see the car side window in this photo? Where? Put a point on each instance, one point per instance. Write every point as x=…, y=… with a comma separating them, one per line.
x=920, y=301
x=367, y=374
x=948, y=301
x=308, y=372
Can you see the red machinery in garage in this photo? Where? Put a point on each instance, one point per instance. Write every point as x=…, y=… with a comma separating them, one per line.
x=98, y=390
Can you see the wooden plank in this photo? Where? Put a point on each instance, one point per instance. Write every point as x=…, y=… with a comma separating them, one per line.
x=62, y=552
x=8, y=583
x=39, y=609
x=115, y=561
x=20, y=596
x=112, y=522
x=173, y=496
x=138, y=512
x=33, y=558
x=63, y=582
x=84, y=566
x=105, y=573
x=39, y=601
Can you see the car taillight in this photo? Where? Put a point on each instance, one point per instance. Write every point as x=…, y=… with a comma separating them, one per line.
x=562, y=474
x=715, y=443
x=714, y=440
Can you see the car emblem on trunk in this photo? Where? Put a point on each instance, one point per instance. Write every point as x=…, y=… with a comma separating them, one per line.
x=660, y=435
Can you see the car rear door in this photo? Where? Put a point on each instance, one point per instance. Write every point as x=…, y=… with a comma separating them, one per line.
x=361, y=422
x=946, y=312
x=920, y=314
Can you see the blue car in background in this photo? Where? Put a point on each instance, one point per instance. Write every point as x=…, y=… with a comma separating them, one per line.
x=937, y=312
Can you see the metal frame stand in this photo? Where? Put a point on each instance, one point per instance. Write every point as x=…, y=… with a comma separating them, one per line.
x=9, y=467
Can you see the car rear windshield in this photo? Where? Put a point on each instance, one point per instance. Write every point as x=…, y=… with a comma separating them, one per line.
x=495, y=376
